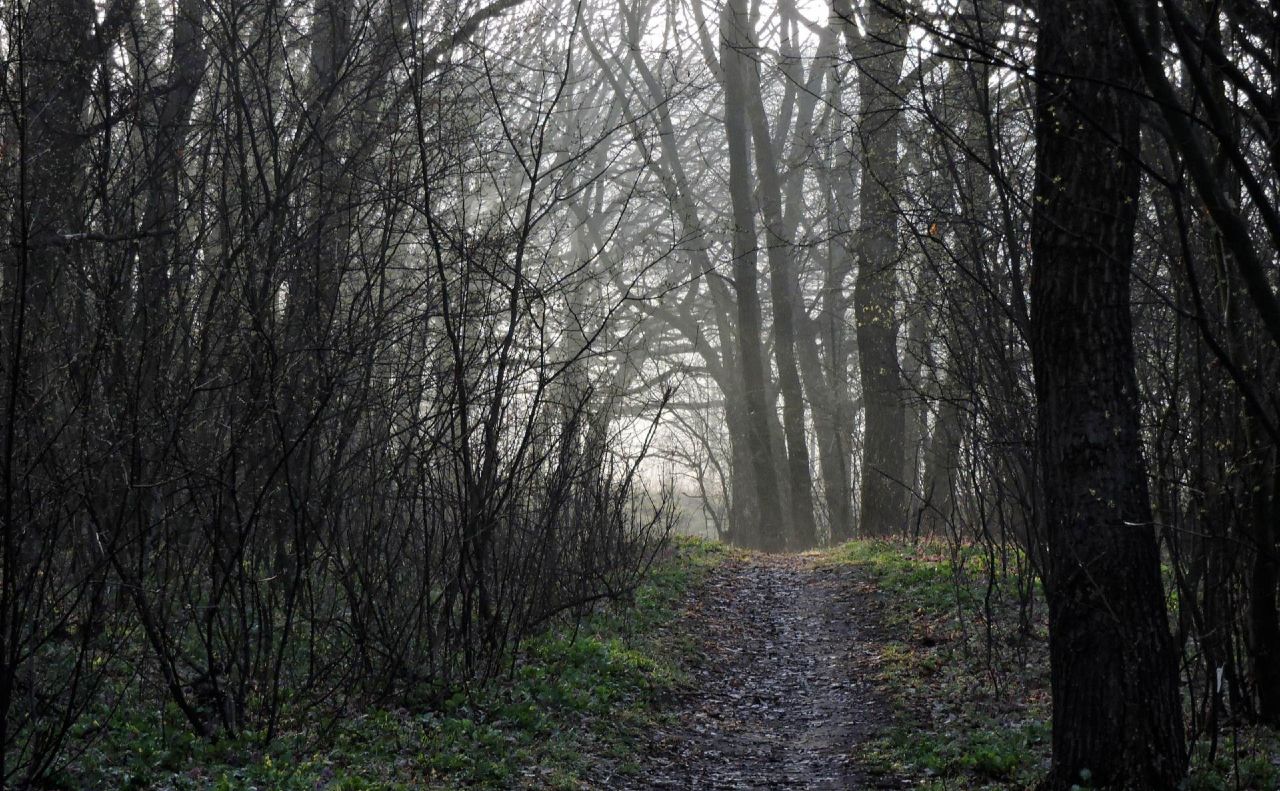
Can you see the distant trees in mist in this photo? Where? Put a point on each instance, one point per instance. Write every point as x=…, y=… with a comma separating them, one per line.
x=342, y=338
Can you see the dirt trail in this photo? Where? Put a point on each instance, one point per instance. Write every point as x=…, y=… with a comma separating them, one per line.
x=781, y=692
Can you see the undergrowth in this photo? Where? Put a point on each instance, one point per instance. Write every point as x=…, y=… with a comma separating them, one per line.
x=970, y=706
x=576, y=696
x=965, y=664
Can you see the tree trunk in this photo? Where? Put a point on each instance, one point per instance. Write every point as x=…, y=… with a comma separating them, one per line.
x=836, y=449
x=917, y=367
x=879, y=56
x=782, y=279
x=53, y=102
x=744, y=512
x=1117, y=718
x=1264, y=586
x=39, y=339
x=744, y=528
x=746, y=281
x=941, y=463
x=967, y=87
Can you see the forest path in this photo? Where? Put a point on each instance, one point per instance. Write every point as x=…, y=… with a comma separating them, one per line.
x=782, y=688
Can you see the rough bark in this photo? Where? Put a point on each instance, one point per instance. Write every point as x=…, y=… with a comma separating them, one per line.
x=1117, y=719
x=51, y=140
x=1264, y=588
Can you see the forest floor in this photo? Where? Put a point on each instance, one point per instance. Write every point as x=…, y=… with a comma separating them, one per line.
x=780, y=688
x=872, y=665
x=859, y=667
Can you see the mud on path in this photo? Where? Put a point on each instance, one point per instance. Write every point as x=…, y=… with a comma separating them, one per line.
x=781, y=692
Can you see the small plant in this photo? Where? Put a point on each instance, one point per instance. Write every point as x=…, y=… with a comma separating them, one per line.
x=578, y=692
x=957, y=731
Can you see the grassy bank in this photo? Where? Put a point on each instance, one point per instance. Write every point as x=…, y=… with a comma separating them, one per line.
x=575, y=698
x=964, y=662
x=970, y=704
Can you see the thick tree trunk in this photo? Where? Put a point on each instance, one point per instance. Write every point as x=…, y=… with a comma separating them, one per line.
x=1264, y=614
x=1117, y=719
x=879, y=55
x=39, y=337
x=51, y=140
x=744, y=513
x=782, y=284
x=746, y=281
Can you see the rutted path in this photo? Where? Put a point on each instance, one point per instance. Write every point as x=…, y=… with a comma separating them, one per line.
x=781, y=691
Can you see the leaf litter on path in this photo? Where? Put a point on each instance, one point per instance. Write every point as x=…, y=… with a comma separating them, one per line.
x=780, y=690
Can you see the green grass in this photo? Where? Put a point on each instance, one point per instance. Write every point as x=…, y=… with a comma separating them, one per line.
x=974, y=718
x=921, y=572
x=576, y=697
x=970, y=713
x=1247, y=759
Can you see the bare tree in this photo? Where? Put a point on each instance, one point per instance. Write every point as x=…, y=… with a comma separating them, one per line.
x=1117, y=719
x=879, y=55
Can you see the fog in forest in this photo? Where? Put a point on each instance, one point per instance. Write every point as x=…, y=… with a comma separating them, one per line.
x=630, y=394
